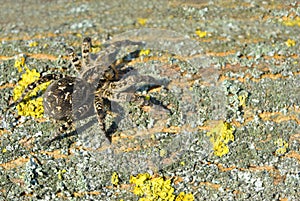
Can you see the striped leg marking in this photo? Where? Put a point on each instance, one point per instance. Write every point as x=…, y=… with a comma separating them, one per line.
x=74, y=59
x=85, y=50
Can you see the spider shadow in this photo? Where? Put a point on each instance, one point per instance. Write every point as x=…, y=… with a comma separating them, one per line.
x=80, y=130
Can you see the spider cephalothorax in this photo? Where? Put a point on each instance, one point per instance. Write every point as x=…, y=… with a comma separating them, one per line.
x=68, y=98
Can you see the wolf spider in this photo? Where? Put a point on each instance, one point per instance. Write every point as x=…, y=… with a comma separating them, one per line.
x=69, y=98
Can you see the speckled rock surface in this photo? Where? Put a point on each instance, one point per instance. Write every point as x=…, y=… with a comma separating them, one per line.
x=218, y=61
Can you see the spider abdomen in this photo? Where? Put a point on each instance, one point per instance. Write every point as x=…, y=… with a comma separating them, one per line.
x=68, y=98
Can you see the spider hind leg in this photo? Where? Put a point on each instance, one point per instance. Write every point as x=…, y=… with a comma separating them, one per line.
x=66, y=129
x=102, y=106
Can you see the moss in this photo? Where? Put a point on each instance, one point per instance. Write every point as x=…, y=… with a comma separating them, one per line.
x=220, y=136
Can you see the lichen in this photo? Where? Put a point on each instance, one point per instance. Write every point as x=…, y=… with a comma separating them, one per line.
x=156, y=189
x=292, y=22
x=281, y=147
x=145, y=52
x=33, y=44
x=61, y=173
x=220, y=136
x=29, y=107
x=142, y=21
x=290, y=43
x=243, y=99
x=200, y=33
x=185, y=197
x=115, y=179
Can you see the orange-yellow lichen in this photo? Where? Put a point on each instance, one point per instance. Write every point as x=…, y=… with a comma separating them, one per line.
x=281, y=147
x=200, y=33
x=142, y=21
x=220, y=136
x=184, y=197
x=144, y=52
x=291, y=22
x=290, y=43
x=33, y=44
x=60, y=174
x=20, y=62
x=157, y=188
x=243, y=99
x=115, y=178
x=29, y=107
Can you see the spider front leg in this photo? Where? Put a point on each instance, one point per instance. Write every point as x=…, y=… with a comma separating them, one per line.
x=75, y=61
x=85, y=55
x=85, y=50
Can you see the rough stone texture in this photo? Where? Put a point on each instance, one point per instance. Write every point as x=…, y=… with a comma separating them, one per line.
x=243, y=54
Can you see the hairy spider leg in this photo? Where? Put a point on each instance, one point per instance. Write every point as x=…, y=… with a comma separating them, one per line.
x=75, y=60
x=66, y=128
x=85, y=50
x=43, y=79
x=102, y=106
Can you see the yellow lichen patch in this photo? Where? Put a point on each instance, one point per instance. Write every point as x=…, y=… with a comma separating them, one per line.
x=184, y=197
x=20, y=62
x=281, y=147
x=243, y=99
x=200, y=33
x=220, y=136
x=33, y=44
x=144, y=52
x=153, y=189
x=290, y=43
x=95, y=49
x=60, y=174
x=291, y=22
x=115, y=179
x=29, y=107
x=142, y=21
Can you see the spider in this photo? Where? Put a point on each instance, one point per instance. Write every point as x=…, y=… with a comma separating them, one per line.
x=69, y=98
